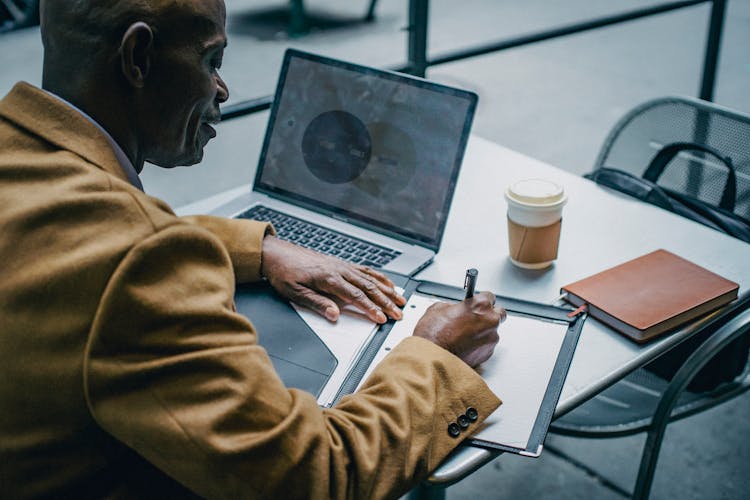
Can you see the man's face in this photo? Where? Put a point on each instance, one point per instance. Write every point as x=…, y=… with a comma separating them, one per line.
x=184, y=88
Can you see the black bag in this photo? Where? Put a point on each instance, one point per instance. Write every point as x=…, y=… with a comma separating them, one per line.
x=721, y=218
x=731, y=361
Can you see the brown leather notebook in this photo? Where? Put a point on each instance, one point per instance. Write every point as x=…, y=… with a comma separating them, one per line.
x=651, y=294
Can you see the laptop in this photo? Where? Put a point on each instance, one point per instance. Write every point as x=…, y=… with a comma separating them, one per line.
x=360, y=163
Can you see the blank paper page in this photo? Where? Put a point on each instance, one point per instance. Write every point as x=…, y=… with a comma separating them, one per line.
x=518, y=372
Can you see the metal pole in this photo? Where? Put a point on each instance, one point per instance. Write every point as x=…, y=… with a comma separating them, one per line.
x=297, y=18
x=246, y=107
x=713, y=44
x=370, y=16
x=417, y=57
x=417, y=63
x=703, y=119
x=570, y=29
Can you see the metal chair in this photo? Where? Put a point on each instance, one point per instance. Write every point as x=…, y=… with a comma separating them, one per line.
x=18, y=14
x=298, y=22
x=644, y=401
x=643, y=131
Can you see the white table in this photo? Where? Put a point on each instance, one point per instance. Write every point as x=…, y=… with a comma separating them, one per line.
x=600, y=229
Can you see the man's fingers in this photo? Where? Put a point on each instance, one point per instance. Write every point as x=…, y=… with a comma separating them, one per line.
x=384, y=297
x=318, y=303
x=484, y=303
x=386, y=285
x=370, y=295
x=375, y=274
x=316, y=281
x=483, y=299
x=501, y=313
x=481, y=355
x=358, y=296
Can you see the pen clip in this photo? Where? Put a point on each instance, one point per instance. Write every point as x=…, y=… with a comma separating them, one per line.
x=470, y=282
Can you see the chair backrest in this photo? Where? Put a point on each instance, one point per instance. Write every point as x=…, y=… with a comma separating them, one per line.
x=640, y=134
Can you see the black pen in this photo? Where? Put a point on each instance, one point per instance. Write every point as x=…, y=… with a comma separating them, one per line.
x=470, y=282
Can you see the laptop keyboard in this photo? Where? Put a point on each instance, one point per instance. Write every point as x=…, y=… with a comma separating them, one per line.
x=323, y=240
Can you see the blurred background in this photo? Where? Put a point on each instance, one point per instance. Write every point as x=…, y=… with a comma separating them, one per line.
x=555, y=100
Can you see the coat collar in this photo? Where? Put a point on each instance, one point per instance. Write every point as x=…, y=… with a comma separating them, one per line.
x=51, y=119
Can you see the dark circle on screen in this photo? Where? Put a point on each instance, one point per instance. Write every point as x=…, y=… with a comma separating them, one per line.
x=393, y=163
x=336, y=147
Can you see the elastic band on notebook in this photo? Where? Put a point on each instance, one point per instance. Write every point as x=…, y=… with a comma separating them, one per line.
x=580, y=310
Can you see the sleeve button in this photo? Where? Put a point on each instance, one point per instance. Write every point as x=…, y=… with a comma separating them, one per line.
x=472, y=414
x=463, y=421
x=454, y=430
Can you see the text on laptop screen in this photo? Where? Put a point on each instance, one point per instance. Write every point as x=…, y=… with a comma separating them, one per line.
x=366, y=145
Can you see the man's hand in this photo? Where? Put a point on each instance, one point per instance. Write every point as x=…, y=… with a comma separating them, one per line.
x=468, y=329
x=318, y=281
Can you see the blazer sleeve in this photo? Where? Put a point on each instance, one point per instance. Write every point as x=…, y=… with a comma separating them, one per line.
x=242, y=238
x=174, y=373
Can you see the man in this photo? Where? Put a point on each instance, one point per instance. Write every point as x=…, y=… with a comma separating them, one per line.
x=125, y=370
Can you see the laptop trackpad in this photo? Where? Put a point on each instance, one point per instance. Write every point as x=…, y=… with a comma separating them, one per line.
x=301, y=359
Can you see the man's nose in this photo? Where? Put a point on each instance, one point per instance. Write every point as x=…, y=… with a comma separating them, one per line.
x=222, y=92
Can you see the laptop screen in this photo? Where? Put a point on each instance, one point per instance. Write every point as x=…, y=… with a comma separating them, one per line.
x=376, y=148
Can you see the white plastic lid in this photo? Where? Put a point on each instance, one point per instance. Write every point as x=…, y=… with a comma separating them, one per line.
x=536, y=192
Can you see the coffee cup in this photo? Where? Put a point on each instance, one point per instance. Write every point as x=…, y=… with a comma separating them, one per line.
x=534, y=221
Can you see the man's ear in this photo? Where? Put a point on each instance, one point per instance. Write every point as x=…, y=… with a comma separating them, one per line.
x=135, y=53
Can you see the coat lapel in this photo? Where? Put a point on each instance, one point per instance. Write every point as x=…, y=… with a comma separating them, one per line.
x=54, y=121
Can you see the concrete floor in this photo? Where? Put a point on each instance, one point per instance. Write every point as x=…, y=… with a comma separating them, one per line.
x=554, y=101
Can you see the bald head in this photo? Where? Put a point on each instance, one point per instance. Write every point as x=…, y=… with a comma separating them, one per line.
x=121, y=62
x=79, y=36
x=74, y=28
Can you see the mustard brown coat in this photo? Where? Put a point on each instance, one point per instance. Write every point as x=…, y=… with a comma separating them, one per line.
x=126, y=372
